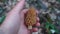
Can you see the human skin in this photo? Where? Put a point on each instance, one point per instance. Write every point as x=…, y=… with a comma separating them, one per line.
x=14, y=22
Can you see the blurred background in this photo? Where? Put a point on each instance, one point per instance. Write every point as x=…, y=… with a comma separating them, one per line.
x=49, y=13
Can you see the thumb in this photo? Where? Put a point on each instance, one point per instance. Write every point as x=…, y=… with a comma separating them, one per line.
x=22, y=15
x=18, y=6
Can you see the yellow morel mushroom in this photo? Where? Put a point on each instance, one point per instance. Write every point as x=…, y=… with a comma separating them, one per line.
x=30, y=17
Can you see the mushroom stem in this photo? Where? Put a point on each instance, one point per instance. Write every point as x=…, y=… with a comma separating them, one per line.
x=29, y=27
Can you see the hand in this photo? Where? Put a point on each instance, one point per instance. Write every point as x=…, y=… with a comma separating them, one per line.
x=14, y=22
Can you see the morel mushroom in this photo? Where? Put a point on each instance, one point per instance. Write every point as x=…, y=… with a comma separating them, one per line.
x=30, y=17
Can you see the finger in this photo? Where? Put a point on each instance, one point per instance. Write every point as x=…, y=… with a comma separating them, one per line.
x=35, y=29
x=24, y=11
x=19, y=6
x=22, y=15
x=37, y=18
x=37, y=24
x=37, y=11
